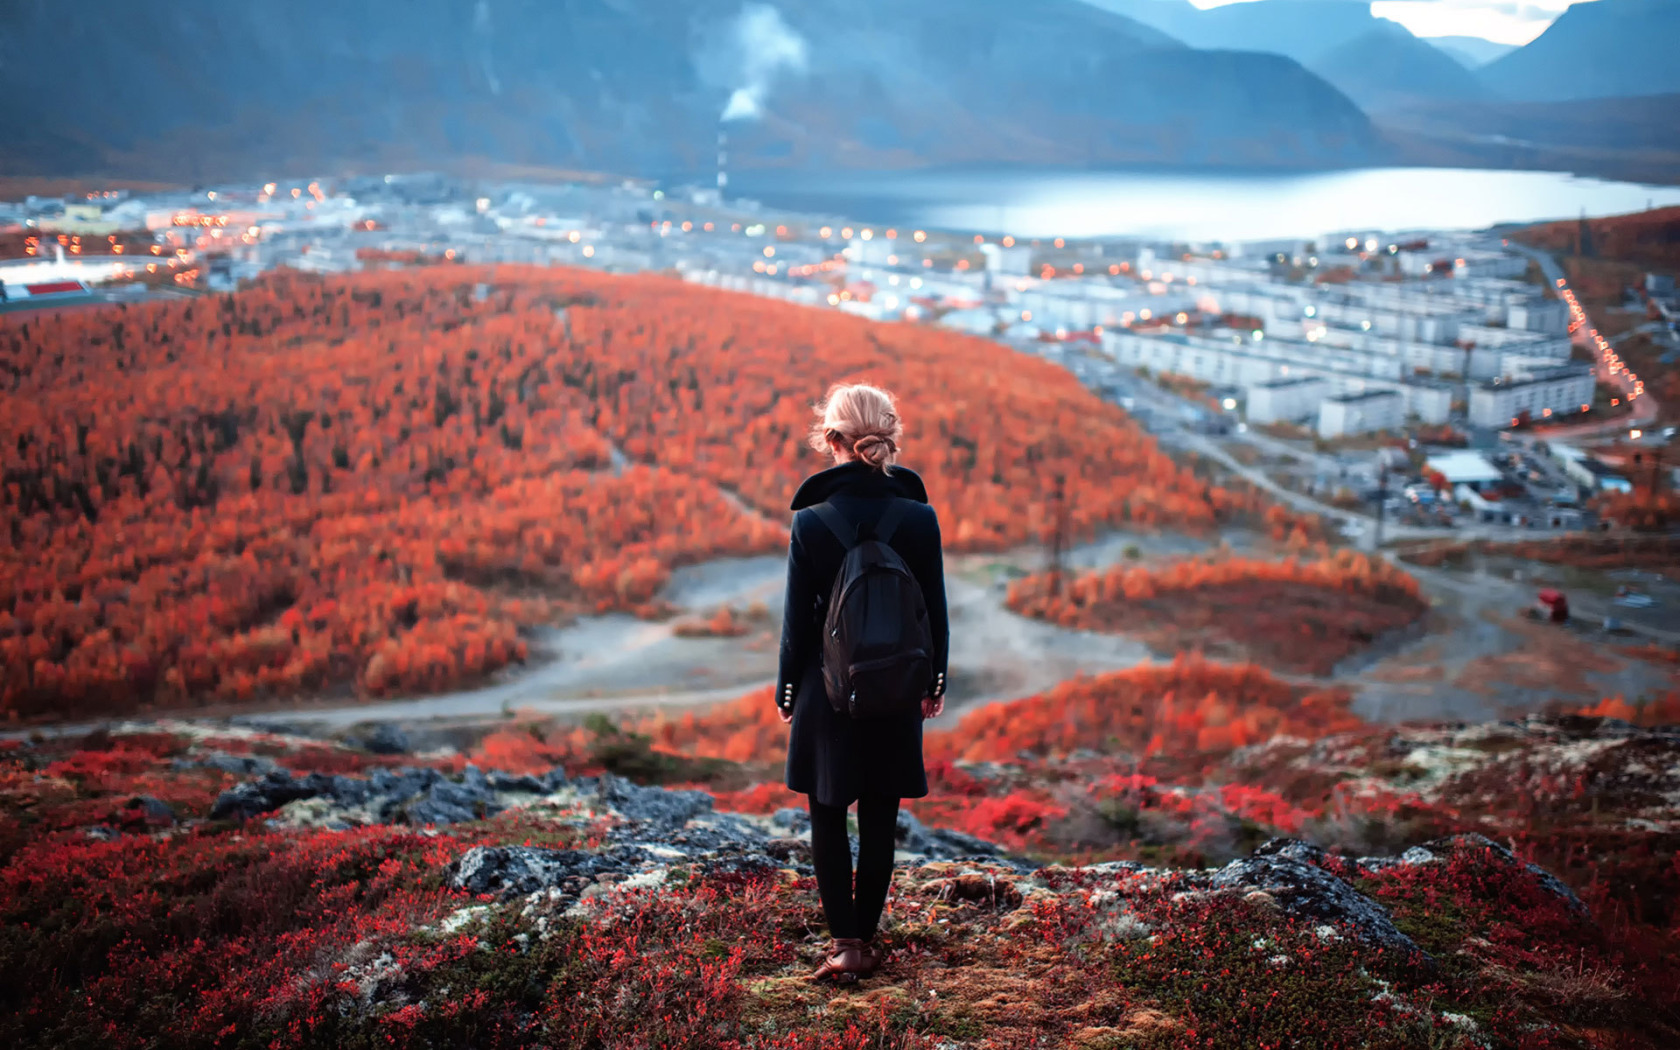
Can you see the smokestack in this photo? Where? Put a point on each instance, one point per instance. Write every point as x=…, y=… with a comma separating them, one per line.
x=723, y=161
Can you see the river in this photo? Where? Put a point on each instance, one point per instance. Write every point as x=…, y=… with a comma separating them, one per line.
x=1202, y=206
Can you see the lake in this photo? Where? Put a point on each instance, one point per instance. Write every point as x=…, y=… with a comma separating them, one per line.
x=1201, y=206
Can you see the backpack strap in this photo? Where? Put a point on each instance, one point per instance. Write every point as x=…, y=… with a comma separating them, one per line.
x=890, y=520
x=843, y=530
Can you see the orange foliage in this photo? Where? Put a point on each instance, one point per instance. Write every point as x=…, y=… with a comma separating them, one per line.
x=1646, y=238
x=743, y=730
x=1641, y=511
x=1663, y=711
x=1187, y=706
x=376, y=480
x=1303, y=615
x=401, y=257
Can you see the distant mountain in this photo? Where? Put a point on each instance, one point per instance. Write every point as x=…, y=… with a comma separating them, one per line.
x=1388, y=67
x=1604, y=49
x=1179, y=19
x=1304, y=30
x=1472, y=52
x=1376, y=62
x=196, y=89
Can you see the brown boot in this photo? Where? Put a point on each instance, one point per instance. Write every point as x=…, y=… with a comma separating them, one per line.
x=845, y=961
x=874, y=956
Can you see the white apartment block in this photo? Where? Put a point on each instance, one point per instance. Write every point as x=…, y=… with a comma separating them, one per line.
x=1245, y=363
x=1553, y=392
x=1364, y=413
x=1286, y=400
x=1538, y=315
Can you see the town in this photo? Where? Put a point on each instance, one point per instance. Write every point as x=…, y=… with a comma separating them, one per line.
x=1429, y=381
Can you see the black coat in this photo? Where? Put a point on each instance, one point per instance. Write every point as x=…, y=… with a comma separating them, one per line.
x=831, y=757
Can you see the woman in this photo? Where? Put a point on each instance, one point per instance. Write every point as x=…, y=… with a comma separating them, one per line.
x=832, y=758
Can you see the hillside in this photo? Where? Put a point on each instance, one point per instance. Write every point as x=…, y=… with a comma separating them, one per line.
x=1642, y=239
x=1634, y=139
x=1472, y=52
x=1304, y=30
x=1387, y=67
x=373, y=483
x=1604, y=49
x=197, y=886
x=202, y=89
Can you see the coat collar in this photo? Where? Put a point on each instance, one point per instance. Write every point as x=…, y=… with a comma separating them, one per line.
x=859, y=479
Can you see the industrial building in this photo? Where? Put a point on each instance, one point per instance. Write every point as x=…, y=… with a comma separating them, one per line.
x=1588, y=472
x=1470, y=469
x=1550, y=392
x=1348, y=414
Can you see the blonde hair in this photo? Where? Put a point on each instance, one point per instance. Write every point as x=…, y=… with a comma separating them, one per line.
x=861, y=419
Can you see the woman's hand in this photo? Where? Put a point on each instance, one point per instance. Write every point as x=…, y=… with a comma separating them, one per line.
x=933, y=706
x=785, y=713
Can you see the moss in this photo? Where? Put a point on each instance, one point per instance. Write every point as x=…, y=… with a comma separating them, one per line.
x=780, y=1003
x=631, y=755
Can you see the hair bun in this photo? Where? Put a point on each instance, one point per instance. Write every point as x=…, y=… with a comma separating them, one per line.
x=874, y=448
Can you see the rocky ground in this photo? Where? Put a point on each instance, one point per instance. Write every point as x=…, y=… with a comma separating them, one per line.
x=190, y=885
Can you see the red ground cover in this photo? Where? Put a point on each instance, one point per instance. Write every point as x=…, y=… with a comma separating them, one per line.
x=1297, y=615
x=221, y=935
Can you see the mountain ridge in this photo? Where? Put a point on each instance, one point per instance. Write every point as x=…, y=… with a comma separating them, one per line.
x=1602, y=49
x=526, y=82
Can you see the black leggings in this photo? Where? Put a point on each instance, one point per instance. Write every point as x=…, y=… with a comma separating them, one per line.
x=854, y=913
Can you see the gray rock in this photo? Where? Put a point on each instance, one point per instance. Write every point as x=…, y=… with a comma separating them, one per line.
x=647, y=805
x=941, y=844
x=256, y=797
x=384, y=739
x=238, y=765
x=433, y=812
x=1293, y=849
x=155, y=811
x=1308, y=892
x=513, y=871
x=793, y=821
x=524, y=784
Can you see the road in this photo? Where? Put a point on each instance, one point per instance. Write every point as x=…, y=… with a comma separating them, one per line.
x=1606, y=364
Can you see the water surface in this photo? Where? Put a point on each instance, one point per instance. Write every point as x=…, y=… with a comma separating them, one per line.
x=1202, y=206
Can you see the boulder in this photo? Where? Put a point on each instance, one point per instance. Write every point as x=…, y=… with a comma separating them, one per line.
x=1305, y=891
x=238, y=765
x=645, y=805
x=384, y=739
x=153, y=811
x=514, y=871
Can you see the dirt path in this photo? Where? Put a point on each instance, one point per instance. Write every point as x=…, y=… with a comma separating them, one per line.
x=1473, y=658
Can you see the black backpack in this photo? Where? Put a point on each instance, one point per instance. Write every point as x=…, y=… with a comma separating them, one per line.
x=877, y=647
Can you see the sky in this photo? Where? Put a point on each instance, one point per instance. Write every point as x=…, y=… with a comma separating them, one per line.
x=1507, y=21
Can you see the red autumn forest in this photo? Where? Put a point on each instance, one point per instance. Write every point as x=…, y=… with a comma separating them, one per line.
x=1300, y=615
x=372, y=482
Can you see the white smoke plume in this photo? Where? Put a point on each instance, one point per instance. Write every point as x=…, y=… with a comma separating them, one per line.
x=485, y=34
x=765, y=47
